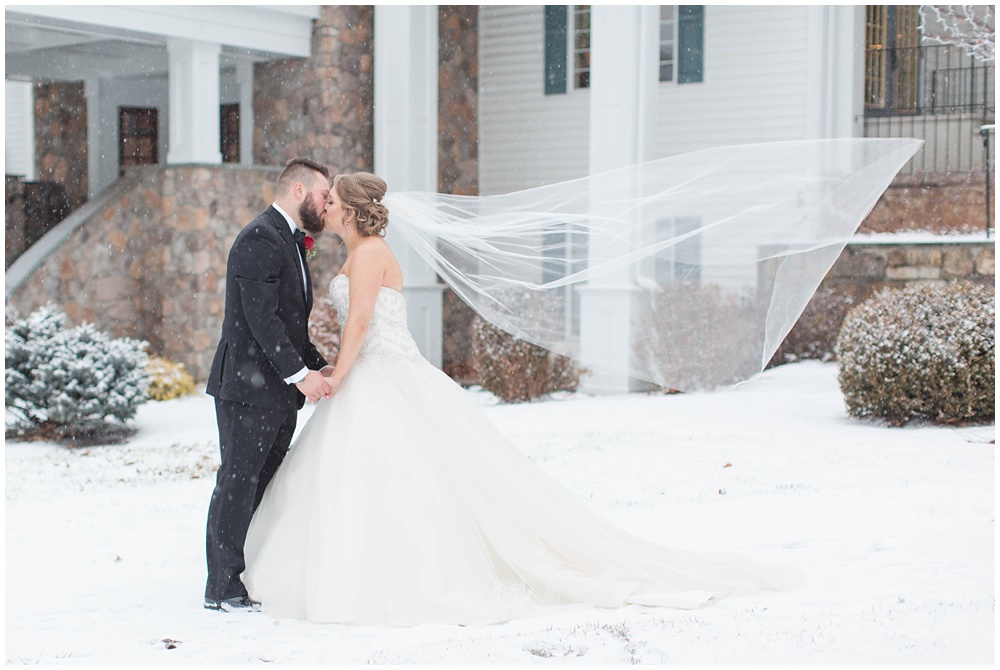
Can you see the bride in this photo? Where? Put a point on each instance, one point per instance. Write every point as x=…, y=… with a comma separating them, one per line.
x=401, y=504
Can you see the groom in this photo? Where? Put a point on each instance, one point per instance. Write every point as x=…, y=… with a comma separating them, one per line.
x=264, y=368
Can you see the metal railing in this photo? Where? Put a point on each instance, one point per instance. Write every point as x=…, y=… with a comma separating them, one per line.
x=936, y=93
x=988, y=171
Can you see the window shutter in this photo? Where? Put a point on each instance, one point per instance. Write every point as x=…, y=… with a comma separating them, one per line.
x=556, y=42
x=691, y=44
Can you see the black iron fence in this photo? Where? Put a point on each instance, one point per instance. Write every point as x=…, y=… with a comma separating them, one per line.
x=939, y=94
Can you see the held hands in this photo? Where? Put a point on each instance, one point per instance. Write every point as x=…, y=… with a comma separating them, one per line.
x=315, y=386
x=327, y=371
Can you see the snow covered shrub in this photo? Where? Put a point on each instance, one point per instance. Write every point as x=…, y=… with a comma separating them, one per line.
x=324, y=328
x=168, y=380
x=922, y=352
x=518, y=371
x=693, y=333
x=68, y=383
x=814, y=335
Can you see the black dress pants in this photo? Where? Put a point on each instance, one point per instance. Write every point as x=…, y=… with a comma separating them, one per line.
x=253, y=442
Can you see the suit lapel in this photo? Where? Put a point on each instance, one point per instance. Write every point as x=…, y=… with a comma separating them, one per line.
x=293, y=248
x=309, y=285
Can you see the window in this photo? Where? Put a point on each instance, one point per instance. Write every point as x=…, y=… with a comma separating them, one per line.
x=19, y=122
x=581, y=46
x=556, y=44
x=690, y=44
x=682, y=261
x=138, y=132
x=892, y=55
x=667, y=31
x=229, y=133
x=565, y=253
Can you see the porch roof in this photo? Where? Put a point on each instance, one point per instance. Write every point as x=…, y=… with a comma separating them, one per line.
x=81, y=42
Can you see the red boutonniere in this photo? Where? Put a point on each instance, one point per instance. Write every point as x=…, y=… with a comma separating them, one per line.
x=309, y=243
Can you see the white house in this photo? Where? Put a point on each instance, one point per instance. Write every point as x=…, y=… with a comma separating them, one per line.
x=563, y=91
x=567, y=91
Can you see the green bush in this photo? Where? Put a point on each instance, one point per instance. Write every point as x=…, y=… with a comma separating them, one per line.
x=168, y=380
x=70, y=382
x=922, y=352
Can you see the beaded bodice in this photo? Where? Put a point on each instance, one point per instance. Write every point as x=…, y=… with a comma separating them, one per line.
x=388, y=336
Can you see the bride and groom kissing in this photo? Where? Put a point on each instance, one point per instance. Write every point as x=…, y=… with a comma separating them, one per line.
x=399, y=503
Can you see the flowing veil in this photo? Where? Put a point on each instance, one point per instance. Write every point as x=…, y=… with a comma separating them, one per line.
x=707, y=259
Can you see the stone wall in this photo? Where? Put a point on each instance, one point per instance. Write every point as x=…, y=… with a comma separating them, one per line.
x=941, y=203
x=320, y=107
x=458, y=93
x=61, y=138
x=152, y=263
x=458, y=157
x=865, y=267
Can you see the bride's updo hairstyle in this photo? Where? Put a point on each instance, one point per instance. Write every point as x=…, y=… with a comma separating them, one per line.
x=362, y=192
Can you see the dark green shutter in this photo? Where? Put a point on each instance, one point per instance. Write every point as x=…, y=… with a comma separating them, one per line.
x=690, y=44
x=556, y=36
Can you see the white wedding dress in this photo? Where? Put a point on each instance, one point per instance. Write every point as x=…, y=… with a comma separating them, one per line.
x=400, y=503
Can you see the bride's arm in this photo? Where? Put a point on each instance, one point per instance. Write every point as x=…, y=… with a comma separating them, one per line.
x=367, y=272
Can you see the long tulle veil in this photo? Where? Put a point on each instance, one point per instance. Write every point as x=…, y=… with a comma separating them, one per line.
x=707, y=258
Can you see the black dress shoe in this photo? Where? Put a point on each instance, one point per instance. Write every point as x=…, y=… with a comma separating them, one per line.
x=239, y=603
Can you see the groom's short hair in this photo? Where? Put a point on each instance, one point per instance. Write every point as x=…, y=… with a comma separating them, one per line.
x=299, y=169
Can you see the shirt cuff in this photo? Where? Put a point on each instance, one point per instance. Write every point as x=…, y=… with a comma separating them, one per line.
x=297, y=377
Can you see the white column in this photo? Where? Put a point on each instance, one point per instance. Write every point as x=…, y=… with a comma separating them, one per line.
x=244, y=78
x=194, y=101
x=406, y=110
x=835, y=62
x=623, y=76
x=92, y=92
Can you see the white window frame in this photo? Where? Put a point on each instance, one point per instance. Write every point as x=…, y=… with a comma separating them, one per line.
x=673, y=45
x=19, y=128
x=571, y=56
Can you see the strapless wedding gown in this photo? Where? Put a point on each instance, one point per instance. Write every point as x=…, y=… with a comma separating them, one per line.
x=400, y=503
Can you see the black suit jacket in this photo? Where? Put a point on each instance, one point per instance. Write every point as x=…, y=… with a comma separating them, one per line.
x=265, y=334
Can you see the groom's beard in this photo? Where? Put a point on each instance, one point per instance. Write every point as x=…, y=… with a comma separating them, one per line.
x=312, y=221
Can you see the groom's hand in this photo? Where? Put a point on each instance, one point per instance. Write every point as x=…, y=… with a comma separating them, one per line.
x=315, y=386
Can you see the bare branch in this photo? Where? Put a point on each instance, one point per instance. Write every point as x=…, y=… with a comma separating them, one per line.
x=969, y=27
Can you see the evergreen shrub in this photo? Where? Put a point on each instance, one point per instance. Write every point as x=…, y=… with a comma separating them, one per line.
x=922, y=352
x=70, y=382
x=168, y=380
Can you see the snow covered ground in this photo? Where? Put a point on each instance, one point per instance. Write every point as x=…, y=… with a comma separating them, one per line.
x=892, y=530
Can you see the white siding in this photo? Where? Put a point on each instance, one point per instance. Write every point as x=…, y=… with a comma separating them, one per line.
x=756, y=89
x=755, y=86
x=19, y=129
x=526, y=138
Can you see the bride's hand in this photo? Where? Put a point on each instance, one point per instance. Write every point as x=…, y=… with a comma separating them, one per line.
x=334, y=386
x=326, y=370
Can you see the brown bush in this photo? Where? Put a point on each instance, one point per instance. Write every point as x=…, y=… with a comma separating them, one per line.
x=324, y=328
x=922, y=352
x=814, y=335
x=457, y=335
x=700, y=336
x=518, y=371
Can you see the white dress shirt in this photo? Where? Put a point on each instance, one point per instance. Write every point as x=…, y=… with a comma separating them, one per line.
x=301, y=374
